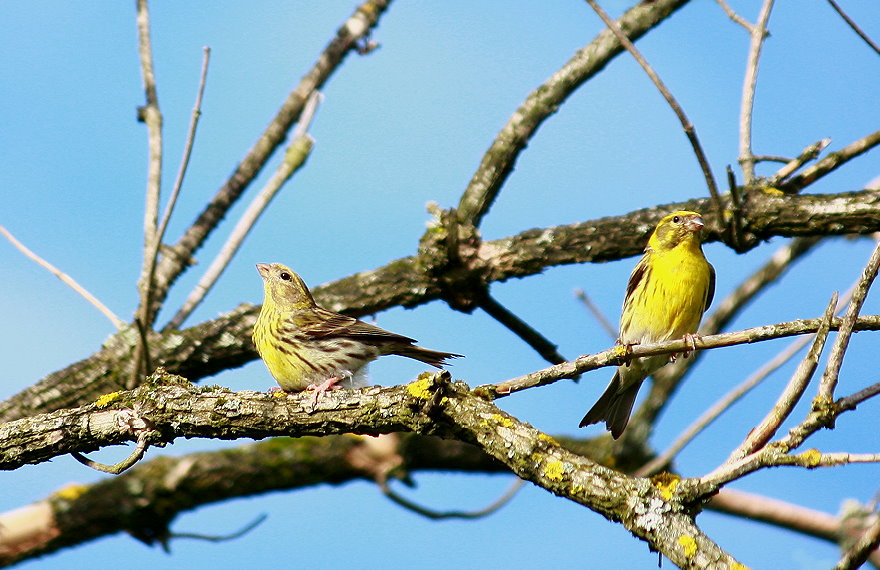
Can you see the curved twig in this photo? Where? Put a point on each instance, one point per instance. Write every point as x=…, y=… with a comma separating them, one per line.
x=498, y=162
x=65, y=278
x=439, y=515
x=123, y=465
x=758, y=33
x=686, y=124
x=294, y=159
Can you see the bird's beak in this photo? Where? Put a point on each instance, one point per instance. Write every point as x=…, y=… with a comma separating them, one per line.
x=694, y=224
x=263, y=268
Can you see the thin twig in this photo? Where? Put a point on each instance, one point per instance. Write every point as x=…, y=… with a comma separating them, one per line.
x=853, y=400
x=616, y=356
x=522, y=329
x=733, y=396
x=688, y=127
x=222, y=537
x=597, y=314
x=500, y=159
x=734, y=16
x=791, y=395
x=851, y=23
x=438, y=515
x=835, y=359
x=809, y=153
x=365, y=18
x=770, y=158
x=757, y=33
x=831, y=163
x=66, y=279
x=184, y=163
x=117, y=468
x=294, y=158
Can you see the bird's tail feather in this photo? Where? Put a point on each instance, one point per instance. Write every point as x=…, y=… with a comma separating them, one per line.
x=613, y=406
x=433, y=357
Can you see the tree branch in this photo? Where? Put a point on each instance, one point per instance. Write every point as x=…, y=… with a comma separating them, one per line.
x=499, y=160
x=224, y=342
x=358, y=26
x=431, y=405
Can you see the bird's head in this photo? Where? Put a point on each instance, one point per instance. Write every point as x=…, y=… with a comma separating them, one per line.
x=284, y=288
x=682, y=227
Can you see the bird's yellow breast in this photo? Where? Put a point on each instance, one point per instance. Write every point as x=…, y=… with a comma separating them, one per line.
x=670, y=299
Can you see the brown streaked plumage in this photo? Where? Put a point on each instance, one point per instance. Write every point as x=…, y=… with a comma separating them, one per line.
x=307, y=347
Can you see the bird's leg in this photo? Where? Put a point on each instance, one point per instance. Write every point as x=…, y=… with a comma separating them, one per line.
x=691, y=339
x=627, y=349
x=331, y=383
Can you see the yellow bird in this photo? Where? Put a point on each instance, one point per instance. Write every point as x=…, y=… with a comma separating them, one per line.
x=306, y=347
x=668, y=292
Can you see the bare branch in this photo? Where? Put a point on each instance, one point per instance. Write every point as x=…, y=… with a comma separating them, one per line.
x=734, y=16
x=597, y=314
x=120, y=467
x=758, y=33
x=182, y=410
x=66, y=279
x=498, y=162
x=808, y=154
x=618, y=355
x=835, y=359
x=439, y=515
x=294, y=158
x=522, y=329
x=855, y=27
x=688, y=127
x=831, y=163
x=223, y=537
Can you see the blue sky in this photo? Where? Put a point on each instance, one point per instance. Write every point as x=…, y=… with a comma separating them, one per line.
x=401, y=127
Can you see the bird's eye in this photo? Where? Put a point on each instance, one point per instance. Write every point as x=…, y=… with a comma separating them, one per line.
x=676, y=219
x=285, y=276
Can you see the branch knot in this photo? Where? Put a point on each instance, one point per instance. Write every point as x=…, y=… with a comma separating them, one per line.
x=448, y=252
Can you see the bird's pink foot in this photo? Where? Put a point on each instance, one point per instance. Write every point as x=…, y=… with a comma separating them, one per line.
x=328, y=384
x=691, y=339
x=627, y=349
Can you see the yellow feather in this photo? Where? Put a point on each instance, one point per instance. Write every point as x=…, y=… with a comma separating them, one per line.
x=669, y=290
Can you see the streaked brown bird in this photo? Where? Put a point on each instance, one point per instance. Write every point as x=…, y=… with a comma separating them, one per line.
x=306, y=347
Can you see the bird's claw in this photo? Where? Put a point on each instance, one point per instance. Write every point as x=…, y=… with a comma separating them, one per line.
x=331, y=383
x=691, y=339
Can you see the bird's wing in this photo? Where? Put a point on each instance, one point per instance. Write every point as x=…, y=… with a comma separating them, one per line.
x=710, y=290
x=639, y=272
x=330, y=324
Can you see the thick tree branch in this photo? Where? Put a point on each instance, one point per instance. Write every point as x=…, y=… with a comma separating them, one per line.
x=430, y=405
x=223, y=343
